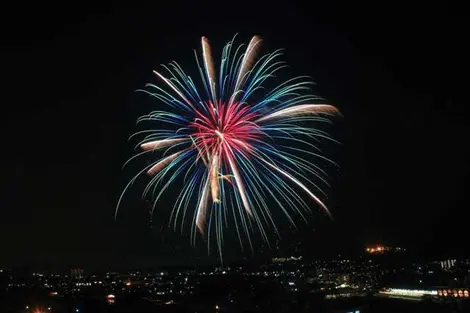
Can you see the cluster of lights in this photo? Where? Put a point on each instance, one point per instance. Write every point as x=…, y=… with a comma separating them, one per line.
x=409, y=292
x=415, y=293
x=281, y=260
x=340, y=295
x=455, y=293
x=381, y=249
x=377, y=249
x=419, y=293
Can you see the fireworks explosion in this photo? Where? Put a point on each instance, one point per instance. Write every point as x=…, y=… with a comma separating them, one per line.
x=236, y=144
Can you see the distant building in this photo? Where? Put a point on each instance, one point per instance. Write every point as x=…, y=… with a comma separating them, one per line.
x=76, y=273
x=448, y=264
x=446, y=292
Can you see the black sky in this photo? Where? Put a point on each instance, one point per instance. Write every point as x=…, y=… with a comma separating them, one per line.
x=68, y=75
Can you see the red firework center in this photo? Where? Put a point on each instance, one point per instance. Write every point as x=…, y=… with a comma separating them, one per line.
x=226, y=128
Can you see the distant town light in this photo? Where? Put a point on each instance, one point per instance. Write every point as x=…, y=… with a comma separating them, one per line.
x=409, y=292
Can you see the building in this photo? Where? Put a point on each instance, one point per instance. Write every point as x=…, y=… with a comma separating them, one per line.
x=445, y=292
x=448, y=264
x=76, y=274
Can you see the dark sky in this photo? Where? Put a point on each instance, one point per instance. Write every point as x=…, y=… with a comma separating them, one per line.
x=68, y=76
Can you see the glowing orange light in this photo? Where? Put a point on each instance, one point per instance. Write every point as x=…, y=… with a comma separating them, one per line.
x=111, y=296
x=128, y=283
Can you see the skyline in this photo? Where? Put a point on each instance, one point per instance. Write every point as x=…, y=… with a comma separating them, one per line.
x=72, y=105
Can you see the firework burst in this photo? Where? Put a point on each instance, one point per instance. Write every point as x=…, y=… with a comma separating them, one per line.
x=236, y=144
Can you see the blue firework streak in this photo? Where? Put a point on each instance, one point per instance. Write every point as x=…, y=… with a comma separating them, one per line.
x=234, y=144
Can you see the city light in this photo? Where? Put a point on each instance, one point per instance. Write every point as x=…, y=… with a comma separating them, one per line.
x=409, y=292
x=461, y=293
x=377, y=249
x=339, y=278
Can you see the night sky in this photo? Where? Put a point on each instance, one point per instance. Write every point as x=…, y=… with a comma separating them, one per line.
x=68, y=76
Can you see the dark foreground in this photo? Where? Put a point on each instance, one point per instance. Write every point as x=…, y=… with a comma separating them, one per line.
x=136, y=304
